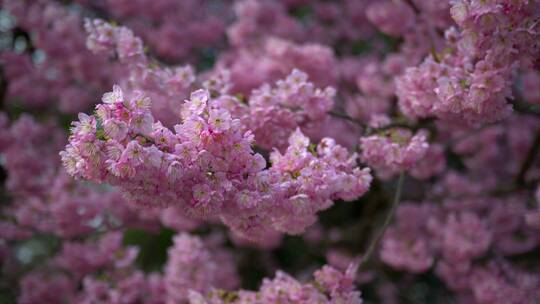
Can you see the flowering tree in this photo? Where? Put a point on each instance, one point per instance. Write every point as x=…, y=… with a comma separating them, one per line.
x=261, y=151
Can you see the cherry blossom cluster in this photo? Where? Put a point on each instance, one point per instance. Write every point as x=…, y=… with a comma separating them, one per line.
x=47, y=200
x=65, y=74
x=28, y=151
x=257, y=19
x=207, y=166
x=273, y=59
x=194, y=266
x=217, y=169
x=276, y=112
x=454, y=238
x=471, y=80
x=175, y=29
x=198, y=271
x=397, y=151
x=104, y=270
x=273, y=113
x=473, y=232
x=326, y=22
x=330, y=286
x=167, y=86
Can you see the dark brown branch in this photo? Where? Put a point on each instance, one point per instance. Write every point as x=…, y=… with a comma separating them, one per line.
x=3, y=88
x=525, y=108
x=413, y=6
x=528, y=161
x=388, y=219
x=426, y=123
x=346, y=117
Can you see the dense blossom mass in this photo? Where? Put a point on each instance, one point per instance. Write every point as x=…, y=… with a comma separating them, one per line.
x=207, y=167
x=269, y=151
x=471, y=79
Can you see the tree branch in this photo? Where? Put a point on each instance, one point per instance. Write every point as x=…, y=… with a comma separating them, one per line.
x=413, y=6
x=346, y=117
x=376, y=239
x=525, y=108
x=528, y=161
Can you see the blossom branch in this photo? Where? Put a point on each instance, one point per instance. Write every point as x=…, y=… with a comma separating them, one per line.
x=376, y=239
x=395, y=124
x=346, y=117
x=525, y=108
x=413, y=6
x=529, y=160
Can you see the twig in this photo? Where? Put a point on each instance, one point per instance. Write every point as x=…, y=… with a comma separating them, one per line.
x=413, y=6
x=398, y=124
x=468, y=134
x=529, y=160
x=525, y=108
x=375, y=241
x=3, y=88
x=346, y=117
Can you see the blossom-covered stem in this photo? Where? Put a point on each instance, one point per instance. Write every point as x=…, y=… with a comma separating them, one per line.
x=529, y=160
x=375, y=241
